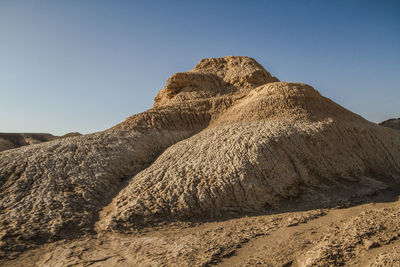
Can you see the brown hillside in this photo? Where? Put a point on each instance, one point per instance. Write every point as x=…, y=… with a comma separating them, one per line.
x=392, y=123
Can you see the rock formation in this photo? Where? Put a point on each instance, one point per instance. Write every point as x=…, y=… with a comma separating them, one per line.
x=224, y=139
x=282, y=141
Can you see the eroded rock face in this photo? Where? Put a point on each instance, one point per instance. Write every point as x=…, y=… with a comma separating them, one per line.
x=56, y=190
x=190, y=100
x=214, y=77
x=223, y=139
x=282, y=141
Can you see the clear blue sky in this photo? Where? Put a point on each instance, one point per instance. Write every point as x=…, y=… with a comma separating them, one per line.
x=87, y=65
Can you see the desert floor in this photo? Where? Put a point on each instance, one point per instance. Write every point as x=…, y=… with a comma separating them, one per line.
x=364, y=234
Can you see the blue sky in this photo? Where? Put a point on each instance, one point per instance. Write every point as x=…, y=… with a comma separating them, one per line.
x=87, y=65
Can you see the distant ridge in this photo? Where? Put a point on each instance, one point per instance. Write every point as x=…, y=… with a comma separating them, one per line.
x=392, y=123
x=15, y=140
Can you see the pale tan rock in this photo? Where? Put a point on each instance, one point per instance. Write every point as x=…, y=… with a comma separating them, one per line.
x=56, y=189
x=282, y=141
x=190, y=100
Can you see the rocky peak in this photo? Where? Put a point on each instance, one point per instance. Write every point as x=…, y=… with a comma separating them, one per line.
x=213, y=77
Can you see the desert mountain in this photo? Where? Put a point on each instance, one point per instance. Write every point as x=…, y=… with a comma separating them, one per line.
x=392, y=123
x=225, y=139
x=283, y=141
x=14, y=140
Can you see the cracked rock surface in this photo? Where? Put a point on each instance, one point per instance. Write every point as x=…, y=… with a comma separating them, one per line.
x=56, y=189
x=282, y=141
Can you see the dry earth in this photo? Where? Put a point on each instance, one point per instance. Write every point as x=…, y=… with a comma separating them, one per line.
x=363, y=235
x=230, y=166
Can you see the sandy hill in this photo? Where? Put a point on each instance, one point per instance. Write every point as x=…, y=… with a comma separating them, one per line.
x=224, y=140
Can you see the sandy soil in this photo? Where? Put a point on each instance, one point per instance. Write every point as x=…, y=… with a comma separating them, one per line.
x=361, y=235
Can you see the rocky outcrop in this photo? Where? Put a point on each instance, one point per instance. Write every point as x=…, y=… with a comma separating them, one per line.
x=283, y=141
x=191, y=100
x=392, y=123
x=56, y=189
x=224, y=139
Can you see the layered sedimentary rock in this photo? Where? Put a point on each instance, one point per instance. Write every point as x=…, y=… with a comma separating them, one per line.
x=224, y=139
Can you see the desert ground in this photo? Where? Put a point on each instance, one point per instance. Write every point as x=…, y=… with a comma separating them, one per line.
x=366, y=234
